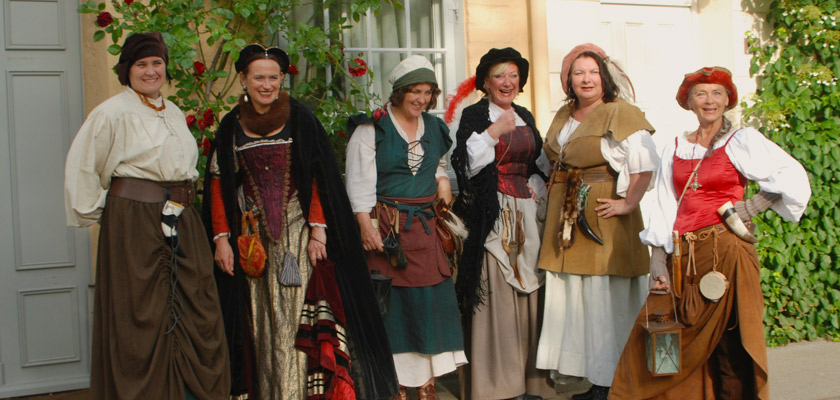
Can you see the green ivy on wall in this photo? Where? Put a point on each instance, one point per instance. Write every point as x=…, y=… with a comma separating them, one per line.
x=204, y=38
x=797, y=105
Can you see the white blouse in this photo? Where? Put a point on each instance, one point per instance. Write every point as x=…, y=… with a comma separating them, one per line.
x=360, y=164
x=753, y=155
x=122, y=137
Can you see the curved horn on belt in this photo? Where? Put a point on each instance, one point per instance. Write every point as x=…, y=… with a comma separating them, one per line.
x=583, y=224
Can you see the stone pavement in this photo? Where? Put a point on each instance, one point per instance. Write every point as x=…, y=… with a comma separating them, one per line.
x=798, y=371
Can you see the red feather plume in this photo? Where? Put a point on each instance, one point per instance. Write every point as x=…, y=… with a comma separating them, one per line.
x=453, y=100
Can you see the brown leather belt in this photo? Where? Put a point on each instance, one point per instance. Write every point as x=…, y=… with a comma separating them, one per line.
x=560, y=176
x=146, y=191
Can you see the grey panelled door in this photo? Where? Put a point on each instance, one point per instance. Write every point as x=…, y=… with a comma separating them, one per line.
x=44, y=266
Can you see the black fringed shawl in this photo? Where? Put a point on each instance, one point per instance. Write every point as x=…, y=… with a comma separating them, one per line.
x=312, y=157
x=477, y=203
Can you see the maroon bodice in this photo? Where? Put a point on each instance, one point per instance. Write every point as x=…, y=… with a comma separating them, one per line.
x=718, y=182
x=513, y=154
x=268, y=165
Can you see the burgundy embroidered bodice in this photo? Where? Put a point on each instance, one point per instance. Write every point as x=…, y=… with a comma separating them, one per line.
x=513, y=152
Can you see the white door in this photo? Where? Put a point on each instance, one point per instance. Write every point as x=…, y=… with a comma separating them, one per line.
x=44, y=266
x=656, y=45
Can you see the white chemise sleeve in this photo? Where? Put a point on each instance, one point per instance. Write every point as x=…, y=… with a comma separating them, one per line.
x=633, y=155
x=663, y=209
x=763, y=161
x=360, y=168
x=94, y=155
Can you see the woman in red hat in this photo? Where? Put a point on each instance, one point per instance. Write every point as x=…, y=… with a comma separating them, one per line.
x=603, y=158
x=699, y=191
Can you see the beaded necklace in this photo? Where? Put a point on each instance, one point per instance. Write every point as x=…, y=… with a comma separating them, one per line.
x=146, y=101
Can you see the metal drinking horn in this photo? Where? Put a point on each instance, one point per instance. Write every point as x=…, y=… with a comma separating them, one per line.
x=733, y=221
x=583, y=224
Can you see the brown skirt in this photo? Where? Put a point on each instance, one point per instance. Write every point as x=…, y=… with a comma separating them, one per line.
x=502, y=342
x=713, y=334
x=150, y=341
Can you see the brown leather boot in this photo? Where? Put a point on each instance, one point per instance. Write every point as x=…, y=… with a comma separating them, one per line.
x=427, y=392
x=401, y=395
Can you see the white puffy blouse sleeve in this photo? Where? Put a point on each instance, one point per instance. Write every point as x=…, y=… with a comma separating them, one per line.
x=761, y=160
x=663, y=209
x=360, y=168
x=633, y=155
x=94, y=155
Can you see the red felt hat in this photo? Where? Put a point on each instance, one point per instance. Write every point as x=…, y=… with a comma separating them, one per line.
x=718, y=75
x=572, y=56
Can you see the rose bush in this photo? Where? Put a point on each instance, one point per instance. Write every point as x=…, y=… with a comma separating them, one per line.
x=204, y=39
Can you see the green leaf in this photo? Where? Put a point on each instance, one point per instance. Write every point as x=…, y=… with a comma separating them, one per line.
x=114, y=49
x=98, y=35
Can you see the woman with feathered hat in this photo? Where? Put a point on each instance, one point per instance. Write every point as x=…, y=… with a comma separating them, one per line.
x=498, y=283
x=699, y=190
x=603, y=160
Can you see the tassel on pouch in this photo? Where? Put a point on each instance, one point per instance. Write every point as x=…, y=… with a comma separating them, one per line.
x=290, y=275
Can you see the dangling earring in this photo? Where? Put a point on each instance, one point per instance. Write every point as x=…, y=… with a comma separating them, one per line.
x=244, y=89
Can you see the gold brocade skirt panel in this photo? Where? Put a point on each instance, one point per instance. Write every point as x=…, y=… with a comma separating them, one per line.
x=280, y=371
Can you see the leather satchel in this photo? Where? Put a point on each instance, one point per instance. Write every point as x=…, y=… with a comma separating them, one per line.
x=251, y=251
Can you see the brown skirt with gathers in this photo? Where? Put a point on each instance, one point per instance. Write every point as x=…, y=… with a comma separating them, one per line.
x=723, y=348
x=502, y=342
x=157, y=324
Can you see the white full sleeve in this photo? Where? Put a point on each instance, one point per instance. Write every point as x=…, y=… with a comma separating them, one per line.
x=360, y=168
x=763, y=161
x=633, y=155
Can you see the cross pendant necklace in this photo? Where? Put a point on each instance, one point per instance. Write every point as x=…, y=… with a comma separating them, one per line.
x=695, y=185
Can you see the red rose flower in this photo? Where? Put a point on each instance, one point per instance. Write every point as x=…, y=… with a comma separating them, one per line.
x=202, y=124
x=191, y=121
x=205, y=146
x=208, y=117
x=104, y=19
x=342, y=134
x=199, y=69
x=360, y=67
x=379, y=113
x=128, y=2
x=293, y=70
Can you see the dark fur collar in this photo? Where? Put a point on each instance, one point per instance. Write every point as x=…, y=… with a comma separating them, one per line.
x=263, y=124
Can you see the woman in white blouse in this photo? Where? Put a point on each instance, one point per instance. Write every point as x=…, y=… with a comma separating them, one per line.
x=395, y=171
x=158, y=330
x=723, y=350
x=603, y=160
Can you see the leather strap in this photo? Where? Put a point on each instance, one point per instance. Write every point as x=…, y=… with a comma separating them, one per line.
x=147, y=191
x=560, y=176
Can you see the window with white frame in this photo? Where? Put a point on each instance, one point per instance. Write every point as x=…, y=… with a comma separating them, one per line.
x=431, y=28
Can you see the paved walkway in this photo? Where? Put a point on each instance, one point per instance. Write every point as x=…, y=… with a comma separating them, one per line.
x=798, y=371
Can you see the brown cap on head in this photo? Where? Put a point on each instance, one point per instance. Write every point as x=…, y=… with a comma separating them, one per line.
x=495, y=56
x=718, y=75
x=137, y=46
x=572, y=56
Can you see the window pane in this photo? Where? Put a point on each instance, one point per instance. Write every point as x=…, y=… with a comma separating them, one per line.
x=425, y=23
